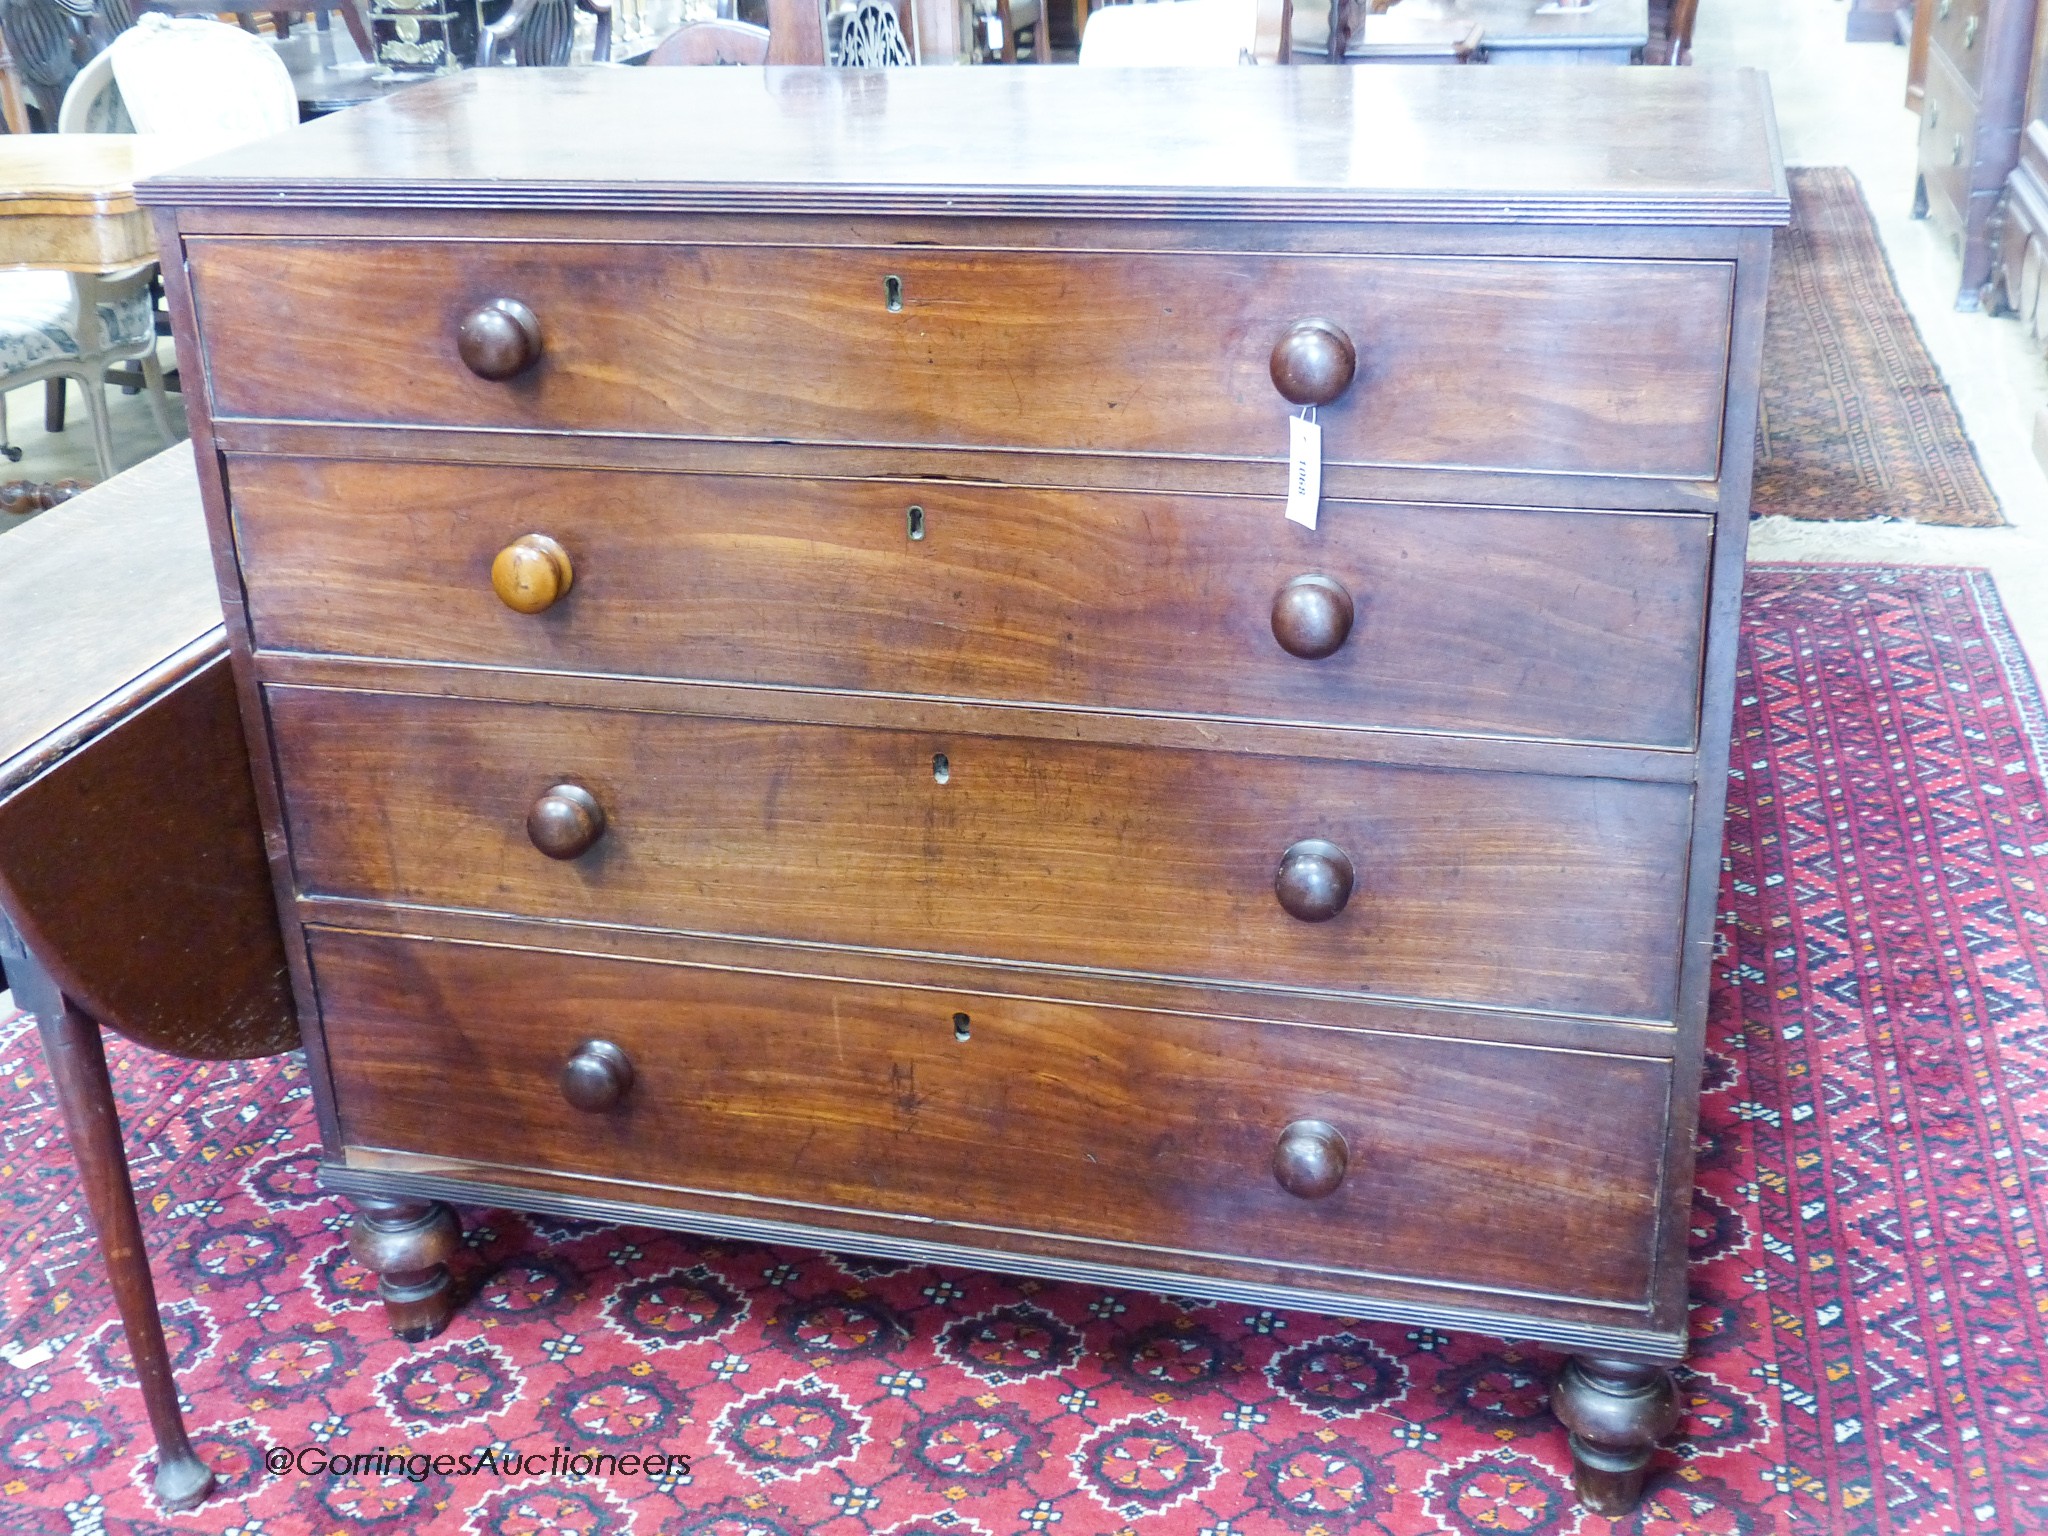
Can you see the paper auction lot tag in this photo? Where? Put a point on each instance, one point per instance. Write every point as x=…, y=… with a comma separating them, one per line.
x=1304, y=467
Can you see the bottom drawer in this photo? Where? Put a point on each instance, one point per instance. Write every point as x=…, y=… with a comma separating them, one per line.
x=1007, y=1122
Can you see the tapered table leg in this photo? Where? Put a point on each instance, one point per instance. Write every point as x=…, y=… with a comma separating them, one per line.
x=78, y=1062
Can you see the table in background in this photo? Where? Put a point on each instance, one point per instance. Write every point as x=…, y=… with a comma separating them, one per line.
x=330, y=73
x=69, y=203
x=134, y=892
x=1528, y=32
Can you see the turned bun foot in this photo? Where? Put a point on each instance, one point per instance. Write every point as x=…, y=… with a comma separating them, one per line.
x=407, y=1244
x=1616, y=1411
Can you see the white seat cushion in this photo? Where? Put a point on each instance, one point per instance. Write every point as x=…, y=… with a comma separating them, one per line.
x=1171, y=32
x=36, y=313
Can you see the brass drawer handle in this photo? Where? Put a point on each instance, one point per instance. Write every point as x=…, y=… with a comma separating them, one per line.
x=1310, y=1159
x=1312, y=617
x=1313, y=362
x=532, y=573
x=566, y=822
x=1970, y=32
x=597, y=1076
x=1314, y=880
x=499, y=339
x=1955, y=154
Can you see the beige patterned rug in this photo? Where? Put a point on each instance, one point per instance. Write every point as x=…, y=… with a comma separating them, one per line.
x=1856, y=422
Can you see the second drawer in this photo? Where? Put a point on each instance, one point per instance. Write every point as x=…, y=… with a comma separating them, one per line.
x=1518, y=890
x=1576, y=625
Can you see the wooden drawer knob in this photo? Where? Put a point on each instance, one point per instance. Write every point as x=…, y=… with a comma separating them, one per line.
x=499, y=339
x=598, y=1076
x=566, y=822
x=1311, y=617
x=1314, y=880
x=1313, y=362
x=1310, y=1158
x=531, y=573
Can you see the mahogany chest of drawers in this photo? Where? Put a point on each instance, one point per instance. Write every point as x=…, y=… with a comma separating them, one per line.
x=786, y=703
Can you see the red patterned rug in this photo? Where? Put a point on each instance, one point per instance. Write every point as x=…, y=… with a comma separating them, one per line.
x=1870, y=1310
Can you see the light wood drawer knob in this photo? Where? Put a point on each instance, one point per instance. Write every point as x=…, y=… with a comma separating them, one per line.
x=532, y=573
x=1310, y=1158
x=1312, y=617
x=1313, y=362
x=566, y=822
x=499, y=340
x=1314, y=880
x=597, y=1077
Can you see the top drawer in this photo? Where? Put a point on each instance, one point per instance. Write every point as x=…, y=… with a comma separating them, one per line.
x=1546, y=364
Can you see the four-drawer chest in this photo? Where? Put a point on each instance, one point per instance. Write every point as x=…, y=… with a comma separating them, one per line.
x=787, y=702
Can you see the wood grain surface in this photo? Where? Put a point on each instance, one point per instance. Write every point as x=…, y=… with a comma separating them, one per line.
x=134, y=866
x=1593, y=366
x=1445, y=146
x=131, y=854
x=97, y=597
x=1507, y=889
x=1089, y=599
x=68, y=201
x=1472, y=1164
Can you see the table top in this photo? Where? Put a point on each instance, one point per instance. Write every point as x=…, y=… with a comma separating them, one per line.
x=69, y=201
x=80, y=174
x=104, y=601
x=1445, y=144
x=132, y=861
x=328, y=72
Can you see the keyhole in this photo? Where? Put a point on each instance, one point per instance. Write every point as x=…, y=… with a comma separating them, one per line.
x=915, y=518
x=892, y=289
x=961, y=1024
x=941, y=769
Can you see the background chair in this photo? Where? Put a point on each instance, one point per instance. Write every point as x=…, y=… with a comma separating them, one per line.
x=1015, y=16
x=543, y=33
x=58, y=326
x=192, y=87
x=1671, y=24
x=712, y=42
x=1175, y=33
x=51, y=40
x=197, y=86
x=795, y=34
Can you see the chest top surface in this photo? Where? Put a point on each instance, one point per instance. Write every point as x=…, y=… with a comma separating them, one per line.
x=1687, y=146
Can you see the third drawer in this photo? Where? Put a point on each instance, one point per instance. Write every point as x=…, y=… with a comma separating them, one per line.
x=1582, y=626
x=1507, y=889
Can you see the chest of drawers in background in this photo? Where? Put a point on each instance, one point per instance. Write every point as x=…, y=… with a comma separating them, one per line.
x=1972, y=115
x=787, y=706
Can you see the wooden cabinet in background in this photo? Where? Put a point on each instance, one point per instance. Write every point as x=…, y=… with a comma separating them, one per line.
x=2020, y=278
x=838, y=583
x=2021, y=230
x=1978, y=56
